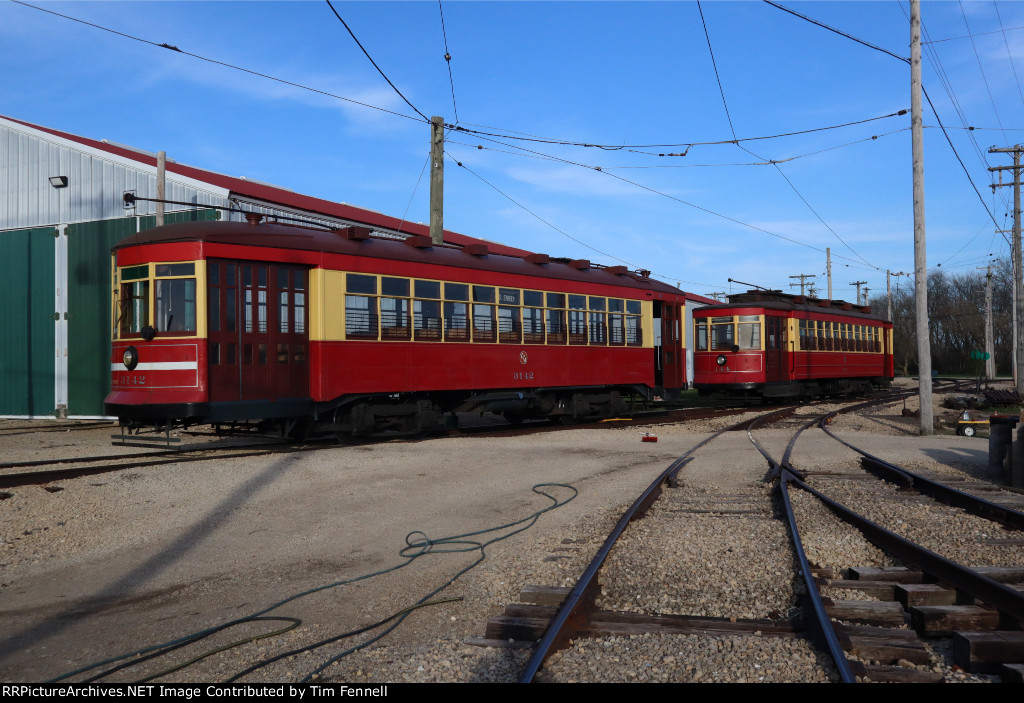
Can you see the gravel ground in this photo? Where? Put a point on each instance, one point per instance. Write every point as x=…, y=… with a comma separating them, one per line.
x=115, y=562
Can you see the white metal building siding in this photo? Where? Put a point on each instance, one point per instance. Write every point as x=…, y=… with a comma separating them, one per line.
x=96, y=182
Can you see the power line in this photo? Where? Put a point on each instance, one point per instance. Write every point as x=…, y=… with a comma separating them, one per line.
x=563, y=232
x=448, y=60
x=837, y=31
x=627, y=147
x=171, y=47
x=778, y=168
x=1009, y=54
x=907, y=61
x=359, y=44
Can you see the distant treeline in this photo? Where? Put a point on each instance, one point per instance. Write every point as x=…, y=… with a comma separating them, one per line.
x=956, y=307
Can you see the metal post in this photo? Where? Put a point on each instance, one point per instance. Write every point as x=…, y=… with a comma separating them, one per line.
x=161, y=186
x=924, y=350
x=828, y=269
x=437, y=180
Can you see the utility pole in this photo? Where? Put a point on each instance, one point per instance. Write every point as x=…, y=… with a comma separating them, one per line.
x=990, y=358
x=924, y=347
x=858, y=284
x=866, y=289
x=437, y=180
x=1018, y=286
x=803, y=277
x=828, y=269
x=161, y=186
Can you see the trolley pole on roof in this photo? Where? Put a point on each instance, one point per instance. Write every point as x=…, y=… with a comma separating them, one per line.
x=924, y=347
x=437, y=180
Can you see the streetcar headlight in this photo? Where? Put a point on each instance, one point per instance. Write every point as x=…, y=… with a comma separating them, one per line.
x=130, y=358
x=721, y=360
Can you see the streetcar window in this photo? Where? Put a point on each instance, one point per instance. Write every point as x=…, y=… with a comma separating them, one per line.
x=167, y=270
x=176, y=305
x=634, y=331
x=483, y=294
x=555, y=324
x=533, y=324
x=615, y=305
x=749, y=333
x=722, y=333
x=427, y=289
x=394, y=317
x=134, y=312
x=456, y=320
x=483, y=320
x=598, y=304
x=135, y=272
x=633, y=307
x=394, y=286
x=456, y=291
x=616, y=326
x=355, y=283
x=598, y=330
x=508, y=296
x=509, y=330
x=701, y=328
x=361, y=315
x=556, y=300
x=533, y=298
x=426, y=317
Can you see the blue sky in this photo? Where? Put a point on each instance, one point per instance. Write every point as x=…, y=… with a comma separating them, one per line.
x=609, y=73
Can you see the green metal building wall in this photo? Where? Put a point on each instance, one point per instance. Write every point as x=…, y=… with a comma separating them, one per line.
x=27, y=344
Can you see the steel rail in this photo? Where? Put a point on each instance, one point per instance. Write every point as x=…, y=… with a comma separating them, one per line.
x=946, y=494
x=574, y=613
x=822, y=621
x=1003, y=598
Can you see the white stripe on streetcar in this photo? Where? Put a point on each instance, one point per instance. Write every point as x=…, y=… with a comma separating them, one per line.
x=158, y=366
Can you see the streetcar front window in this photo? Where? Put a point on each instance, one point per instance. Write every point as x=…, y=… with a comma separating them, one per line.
x=134, y=304
x=749, y=332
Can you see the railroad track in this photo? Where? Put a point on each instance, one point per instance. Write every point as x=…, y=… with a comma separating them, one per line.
x=557, y=617
x=963, y=594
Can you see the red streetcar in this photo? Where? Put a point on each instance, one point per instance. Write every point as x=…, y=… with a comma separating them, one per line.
x=769, y=344
x=221, y=322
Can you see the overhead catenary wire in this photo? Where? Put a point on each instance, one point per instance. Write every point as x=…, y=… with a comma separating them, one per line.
x=778, y=168
x=925, y=92
x=448, y=61
x=379, y=70
x=171, y=47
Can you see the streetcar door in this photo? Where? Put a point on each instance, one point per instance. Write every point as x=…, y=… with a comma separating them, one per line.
x=773, y=349
x=257, y=328
x=672, y=357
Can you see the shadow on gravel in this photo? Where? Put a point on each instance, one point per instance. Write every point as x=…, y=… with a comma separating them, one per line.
x=120, y=589
x=971, y=461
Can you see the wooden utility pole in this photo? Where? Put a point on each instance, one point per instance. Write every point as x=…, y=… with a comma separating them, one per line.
x=803, y=277
x=866, y=289
x=924, y=347
x=858, y=284
x=828, y=270
x=437, y=180
x=990, y=356
x=1018, y=286
x=161, y=186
